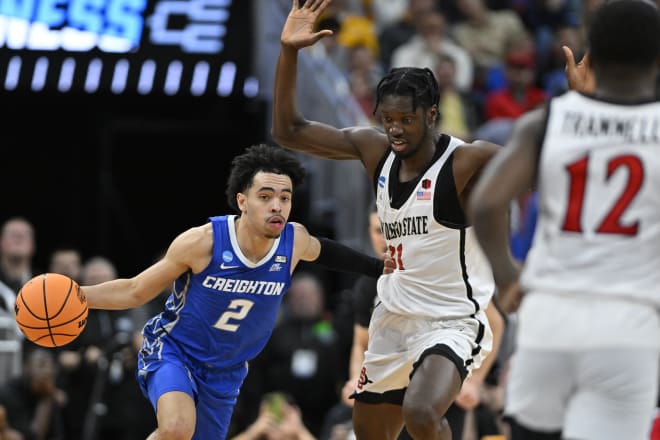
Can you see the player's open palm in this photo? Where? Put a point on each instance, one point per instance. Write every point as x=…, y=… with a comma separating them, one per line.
x=298, y=31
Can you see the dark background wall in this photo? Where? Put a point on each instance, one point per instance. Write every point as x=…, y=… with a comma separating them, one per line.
x=119, y=176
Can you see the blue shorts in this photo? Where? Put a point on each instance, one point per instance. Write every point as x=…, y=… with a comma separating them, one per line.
x=213, y=390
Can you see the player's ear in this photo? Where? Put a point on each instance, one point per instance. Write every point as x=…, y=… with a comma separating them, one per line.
x=432, y=115
x=241, y=200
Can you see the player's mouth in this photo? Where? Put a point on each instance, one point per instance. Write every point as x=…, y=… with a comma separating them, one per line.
x=276, y=222
x=398, y=144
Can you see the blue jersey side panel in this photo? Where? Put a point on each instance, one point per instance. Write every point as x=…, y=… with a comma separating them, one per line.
x=224, y=315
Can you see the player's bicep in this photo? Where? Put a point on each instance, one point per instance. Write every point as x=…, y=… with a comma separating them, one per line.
x=318, y=139
x=305, y=247
x=329, y=142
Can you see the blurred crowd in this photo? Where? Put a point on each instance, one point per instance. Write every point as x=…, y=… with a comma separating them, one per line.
x=494, y=59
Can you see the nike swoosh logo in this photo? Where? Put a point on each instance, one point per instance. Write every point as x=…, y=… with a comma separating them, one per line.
x=223, y=267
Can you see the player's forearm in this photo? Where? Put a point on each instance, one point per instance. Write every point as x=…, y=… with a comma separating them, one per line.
x=119, y=294
x=285, y=115
x=491, y=224
x=338, y=257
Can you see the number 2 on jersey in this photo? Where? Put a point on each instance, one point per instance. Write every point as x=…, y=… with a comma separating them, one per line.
x=238, y=310
x=396, y=253
x=611, y=224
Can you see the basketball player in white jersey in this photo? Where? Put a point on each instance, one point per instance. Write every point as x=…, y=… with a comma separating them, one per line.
x=588, y=343
x=429, y=329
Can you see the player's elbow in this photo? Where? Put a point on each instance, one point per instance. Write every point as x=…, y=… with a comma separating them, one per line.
x=478, y=208
x=482, y=210
x=285, y=130
x=284, y=134
x=278, y=135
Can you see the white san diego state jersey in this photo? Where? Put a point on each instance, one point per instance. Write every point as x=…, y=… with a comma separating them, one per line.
x=441, y=271
x=598, y=228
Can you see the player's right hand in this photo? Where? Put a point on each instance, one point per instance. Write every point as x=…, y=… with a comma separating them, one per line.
x=508, y=297
x=298, y=31
x=347, y=391
x=388, y=263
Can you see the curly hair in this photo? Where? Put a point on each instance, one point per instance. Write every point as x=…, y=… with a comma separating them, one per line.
x=261, y=157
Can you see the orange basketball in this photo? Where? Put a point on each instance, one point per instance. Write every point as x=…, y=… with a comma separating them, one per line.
x=51, y=310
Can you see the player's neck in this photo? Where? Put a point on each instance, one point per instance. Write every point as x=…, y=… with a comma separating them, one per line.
x=617, y=86
x=413, y=166
x=253, y=244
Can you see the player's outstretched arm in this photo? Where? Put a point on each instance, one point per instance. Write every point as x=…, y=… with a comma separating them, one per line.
x=336, y=256
x=189, y=251
x=289, y=128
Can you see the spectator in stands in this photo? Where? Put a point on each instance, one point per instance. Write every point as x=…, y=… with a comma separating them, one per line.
x=459, y=111
x=17, y=249
x=400, y=31
x=429, y=42
x=33, y=402
x=520, y=93
x=486, y=34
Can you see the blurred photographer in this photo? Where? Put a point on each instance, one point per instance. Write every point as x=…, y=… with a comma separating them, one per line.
x=32, y=402
x=279, y=419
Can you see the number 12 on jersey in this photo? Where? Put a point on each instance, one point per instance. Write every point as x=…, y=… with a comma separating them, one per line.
x=611, y=224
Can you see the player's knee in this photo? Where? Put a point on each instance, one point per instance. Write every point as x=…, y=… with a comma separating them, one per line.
x=420, y=418
x=176, y=429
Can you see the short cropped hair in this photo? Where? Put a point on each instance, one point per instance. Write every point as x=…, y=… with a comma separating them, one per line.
x=626, y=33
x=418, y=83
x=261, y=157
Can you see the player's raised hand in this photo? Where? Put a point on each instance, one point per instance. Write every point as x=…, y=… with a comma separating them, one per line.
x=298, y=31
x=579, y=75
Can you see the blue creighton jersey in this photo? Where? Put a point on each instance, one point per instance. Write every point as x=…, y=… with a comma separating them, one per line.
x=224, y=315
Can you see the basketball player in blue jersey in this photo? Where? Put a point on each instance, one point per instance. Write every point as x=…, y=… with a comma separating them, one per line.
x=429, y=329
x=229, y=276
x=588, y=337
